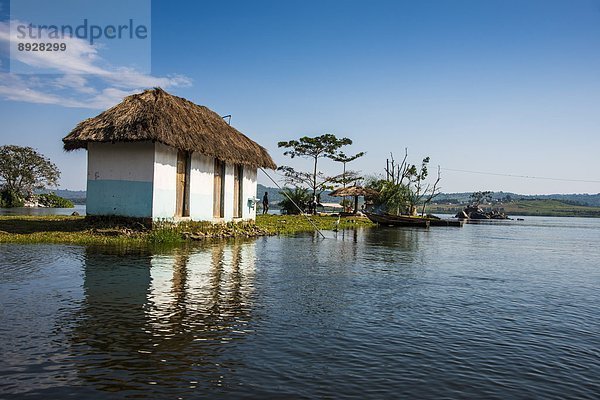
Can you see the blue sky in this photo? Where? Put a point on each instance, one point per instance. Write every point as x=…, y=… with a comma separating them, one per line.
x=506, y=87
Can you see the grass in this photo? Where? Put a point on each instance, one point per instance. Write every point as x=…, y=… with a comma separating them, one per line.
x=78, y=230
x=63, y=229
x=546, y=207
x=290, y=224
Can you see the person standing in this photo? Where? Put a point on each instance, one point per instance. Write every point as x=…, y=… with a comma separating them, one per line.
x=265, y=203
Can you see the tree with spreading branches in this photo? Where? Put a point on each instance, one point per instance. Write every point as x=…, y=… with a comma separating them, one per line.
x=341, y=157
x=22, y=171
x=314, y=149
x=479, y=197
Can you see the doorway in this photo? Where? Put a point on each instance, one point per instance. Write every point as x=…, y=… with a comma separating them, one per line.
x=219, y=189
x=183, y=184
x=238, y=179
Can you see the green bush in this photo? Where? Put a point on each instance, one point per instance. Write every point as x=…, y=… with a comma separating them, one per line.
x=10, y=198
x=54, y=201
x=300, y=196
x=393, y=198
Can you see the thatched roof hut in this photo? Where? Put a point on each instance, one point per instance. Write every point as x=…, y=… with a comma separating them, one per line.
x=354, y=191
x=158, y=116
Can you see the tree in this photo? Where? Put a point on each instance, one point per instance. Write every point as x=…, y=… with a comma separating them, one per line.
x=433, y=192
x=347, y=176
x=478, y=197
x=405, y=187
x=315, y=182
x=392, y=198
x=23, y=170
x=344, y=159
x=313, y=148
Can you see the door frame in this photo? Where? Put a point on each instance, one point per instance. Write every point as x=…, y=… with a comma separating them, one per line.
x=219, y=189
x=238, y=189
x=182, y=191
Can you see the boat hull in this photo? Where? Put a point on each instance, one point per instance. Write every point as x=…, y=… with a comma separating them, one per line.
x=398, y=220
x=405, y=220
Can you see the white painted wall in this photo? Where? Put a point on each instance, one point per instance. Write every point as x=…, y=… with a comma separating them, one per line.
x=249, y=192
x=201, y=187
x=228, y=192
x=164, y=205
x=140, y=179
x=121, y=161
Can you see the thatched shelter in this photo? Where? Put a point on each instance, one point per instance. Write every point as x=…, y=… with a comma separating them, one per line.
x=158, y=116
x=159, y=156
x=354, y=191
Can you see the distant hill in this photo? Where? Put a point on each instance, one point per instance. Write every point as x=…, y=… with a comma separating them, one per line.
x=532, y=207
x=592, y=200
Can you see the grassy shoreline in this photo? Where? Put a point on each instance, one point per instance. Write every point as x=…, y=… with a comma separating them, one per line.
x=77, y=230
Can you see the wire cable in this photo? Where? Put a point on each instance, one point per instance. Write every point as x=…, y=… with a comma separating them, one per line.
x=521, y=176
x=293, y=202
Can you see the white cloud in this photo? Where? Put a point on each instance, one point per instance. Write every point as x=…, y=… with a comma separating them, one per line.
x=75, y=82
x=14, y=87
x=81, y=77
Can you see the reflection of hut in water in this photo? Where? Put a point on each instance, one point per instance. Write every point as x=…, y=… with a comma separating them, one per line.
x=207, y=292
x=111, y=333
x=116, y=290
x=163, y=318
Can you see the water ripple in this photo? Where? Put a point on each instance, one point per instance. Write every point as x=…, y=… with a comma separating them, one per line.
x=503, y=311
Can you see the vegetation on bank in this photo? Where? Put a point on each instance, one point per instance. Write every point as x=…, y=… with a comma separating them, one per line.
x=82, y=231
x=404, y=190
x=290, y=224
x=54, y=201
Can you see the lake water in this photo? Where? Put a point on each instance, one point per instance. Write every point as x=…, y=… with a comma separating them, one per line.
x=79, y=208
x=485, y=311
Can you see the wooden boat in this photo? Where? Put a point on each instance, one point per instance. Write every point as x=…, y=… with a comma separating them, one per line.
x=407, y=220
x=397, y=220
x=445, y=222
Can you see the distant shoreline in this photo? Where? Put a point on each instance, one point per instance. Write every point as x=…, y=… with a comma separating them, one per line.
x=529, y=208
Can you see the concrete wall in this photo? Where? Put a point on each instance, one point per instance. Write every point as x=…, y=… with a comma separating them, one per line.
x=164, y=205
x=249, y=192
x=140, y=180
x=201, y=187
x=120, y=178
x=228, y=192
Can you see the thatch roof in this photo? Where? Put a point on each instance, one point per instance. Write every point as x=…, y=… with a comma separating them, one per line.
x=354, y=191
x=156, y=115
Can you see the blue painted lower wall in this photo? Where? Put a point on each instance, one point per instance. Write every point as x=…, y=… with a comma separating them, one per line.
x=114, y=197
